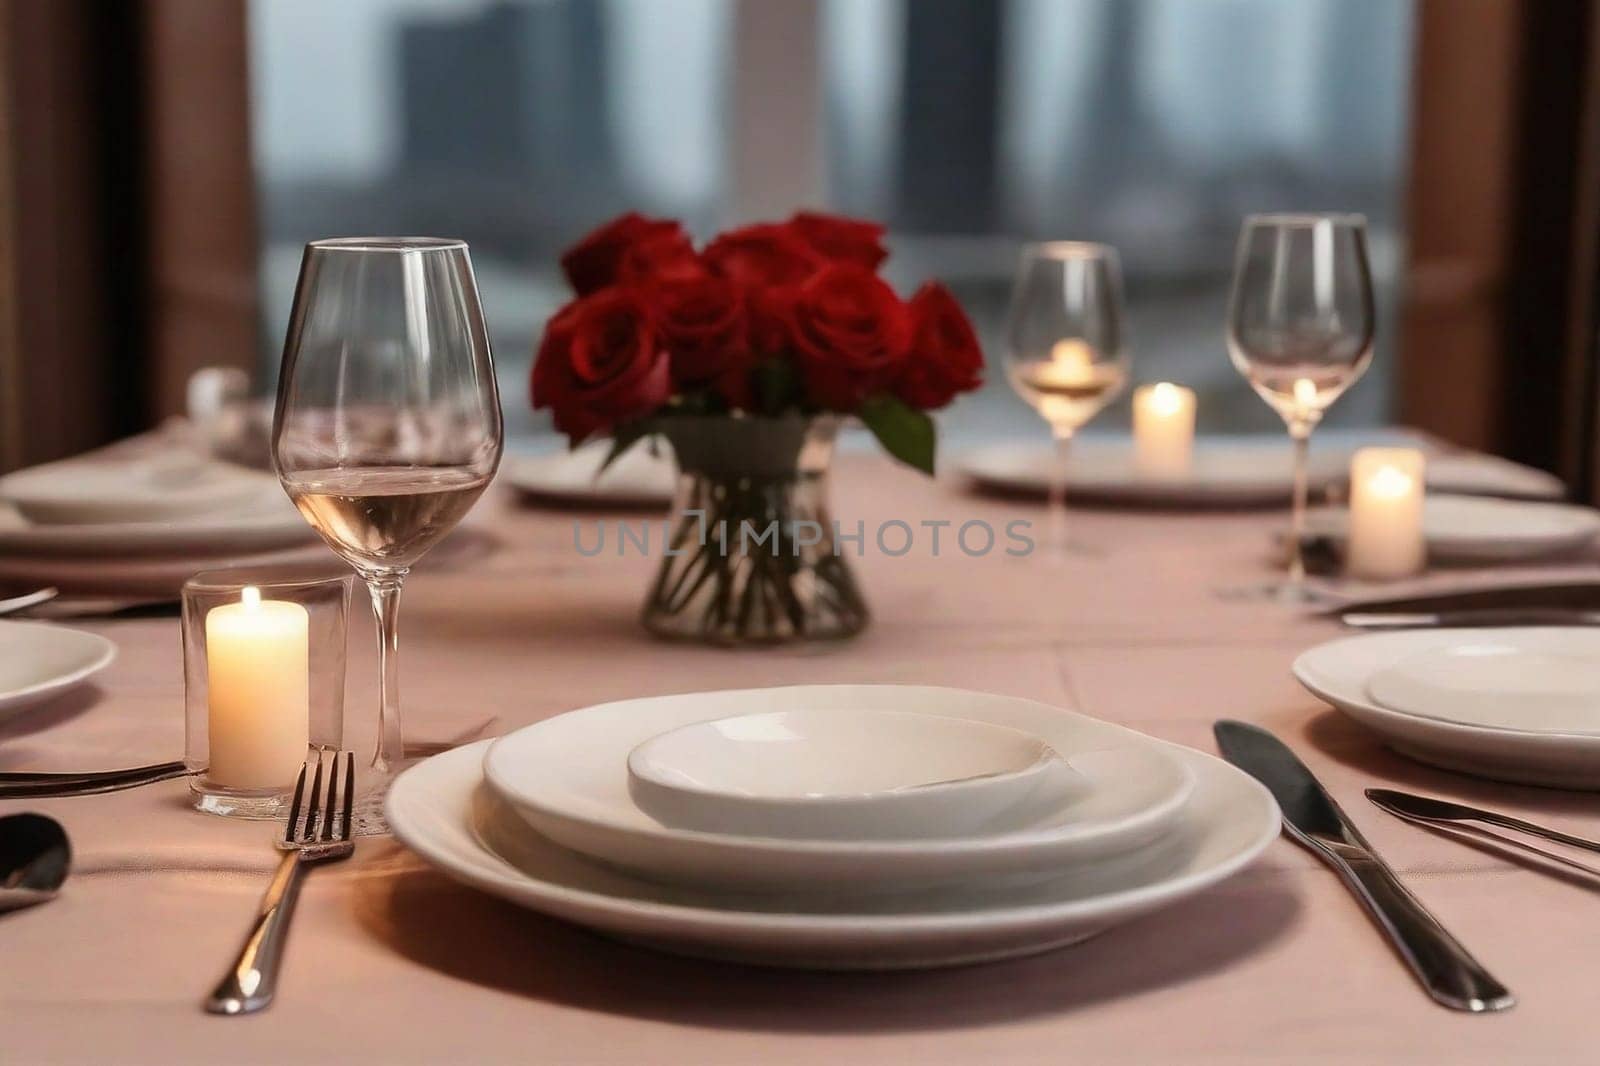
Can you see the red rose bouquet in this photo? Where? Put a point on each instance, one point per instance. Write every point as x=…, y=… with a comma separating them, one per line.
x=770, y=320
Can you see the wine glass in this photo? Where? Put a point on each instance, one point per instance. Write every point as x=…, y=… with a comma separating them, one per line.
x=388, y=425
x=1067, y=354
x=1300, y=329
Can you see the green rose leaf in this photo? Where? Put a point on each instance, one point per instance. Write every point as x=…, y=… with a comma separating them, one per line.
x=905, y=433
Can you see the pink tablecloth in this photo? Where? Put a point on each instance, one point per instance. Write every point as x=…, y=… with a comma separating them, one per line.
x=390, y=962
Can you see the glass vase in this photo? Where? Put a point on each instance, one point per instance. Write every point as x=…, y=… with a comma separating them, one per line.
x=753, y=555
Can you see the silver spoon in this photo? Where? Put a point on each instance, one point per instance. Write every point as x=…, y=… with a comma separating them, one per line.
x=34, y=859
x=31, y=599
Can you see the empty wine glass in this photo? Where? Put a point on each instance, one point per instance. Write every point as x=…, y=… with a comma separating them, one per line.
x=1300, y=329
x=388, y=425
x=1067, y=354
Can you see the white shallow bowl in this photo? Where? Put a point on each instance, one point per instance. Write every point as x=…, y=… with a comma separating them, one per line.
x=568, y=778
x=441, y=810
x=1544, y=683
x=1478, y=529
x=1503, y=741
x=639, y=478
x=837, y=774
x=39, y=662
x=77, y=491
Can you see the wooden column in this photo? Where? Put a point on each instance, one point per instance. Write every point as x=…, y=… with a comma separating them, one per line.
x=201, y=218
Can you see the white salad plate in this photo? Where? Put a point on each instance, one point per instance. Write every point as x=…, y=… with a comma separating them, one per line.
x=82, y=492
x=1478, y=529
x=1519, y=729
x=638, y=478
x=442, y=811
x=568, y=778
x=39, y=661
x=1230, y=472
x=268, y=521
x=839, y=775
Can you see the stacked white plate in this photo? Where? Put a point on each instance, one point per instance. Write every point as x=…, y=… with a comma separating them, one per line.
x=751, y=825
x=141, y=526
x=1477, y=529
x=1242, y=471
x=1519, y=705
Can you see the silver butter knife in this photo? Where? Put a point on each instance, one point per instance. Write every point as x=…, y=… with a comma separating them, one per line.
x=1476, y=617
x=1445, y=969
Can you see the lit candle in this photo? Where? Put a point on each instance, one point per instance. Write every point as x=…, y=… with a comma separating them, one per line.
x=1386, y=491
x=258, y=686
x=1163, y=430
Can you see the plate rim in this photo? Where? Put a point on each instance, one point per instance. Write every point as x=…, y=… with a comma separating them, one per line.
x=998, y=919
x=32, y=693
x=1304, y=673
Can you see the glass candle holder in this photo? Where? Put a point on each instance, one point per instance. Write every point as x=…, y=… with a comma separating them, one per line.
x=263, y=672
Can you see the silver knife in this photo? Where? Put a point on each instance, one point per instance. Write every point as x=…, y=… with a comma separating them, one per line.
x=1445, y=969
x=1477, y=617
x=27, y=784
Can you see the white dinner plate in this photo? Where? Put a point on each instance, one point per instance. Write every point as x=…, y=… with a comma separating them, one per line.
x=1236, y=472
x=1477, y=529
x=268, y=521
x=40, y=661
x=1476, y=474
x=1541, y=682
x=863, y=775
x=441, y=810
x=568, y=777
x=1502, y=740
x=148, y=576
x=639, y=478
x=156, y=489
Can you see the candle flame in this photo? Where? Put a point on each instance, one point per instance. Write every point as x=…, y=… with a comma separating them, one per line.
x=1305, y=392
x=250, y=596
x=1390, y=481
x=1165, y=398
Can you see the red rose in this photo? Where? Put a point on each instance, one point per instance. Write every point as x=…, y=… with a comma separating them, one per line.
x=945, y=357
x=601, y=363
x=661, y=258
x=762, y=255
x=841, y=239
x=703, y=323
x=850, y=334
x=594, y=262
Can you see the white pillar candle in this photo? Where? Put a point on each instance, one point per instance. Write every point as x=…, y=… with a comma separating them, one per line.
x=1163, y=430
x=259, y=690
x=1386, y=491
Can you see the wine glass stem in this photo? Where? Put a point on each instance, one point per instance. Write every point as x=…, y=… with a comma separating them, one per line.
x=1300, y=434
x=385, y=589
x=1058, y=490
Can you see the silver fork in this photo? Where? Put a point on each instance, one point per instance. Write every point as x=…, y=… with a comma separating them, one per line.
x=251, y=981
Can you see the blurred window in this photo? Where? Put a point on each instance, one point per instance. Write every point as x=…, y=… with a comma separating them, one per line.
x=968, y=126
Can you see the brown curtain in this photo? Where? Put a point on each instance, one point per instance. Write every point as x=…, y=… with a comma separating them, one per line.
x=127, y=219
x=1500, y=318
